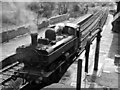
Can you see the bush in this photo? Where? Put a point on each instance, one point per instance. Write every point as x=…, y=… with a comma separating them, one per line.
x=76, y=8
x=41, y=9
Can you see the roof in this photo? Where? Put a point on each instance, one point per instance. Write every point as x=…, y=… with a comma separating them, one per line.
x=64, y=24
x=71, y=25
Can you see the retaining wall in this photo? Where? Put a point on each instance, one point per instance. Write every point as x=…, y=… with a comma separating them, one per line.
x=10, y=34
x=58, y=18
x=43, y=24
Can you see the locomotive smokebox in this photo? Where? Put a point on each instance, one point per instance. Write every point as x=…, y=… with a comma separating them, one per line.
x=34, y=39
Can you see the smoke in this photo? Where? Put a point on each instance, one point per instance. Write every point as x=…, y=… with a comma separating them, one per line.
x=17, y=13
x=27, y=16
x=24, y=14
x=30, y=17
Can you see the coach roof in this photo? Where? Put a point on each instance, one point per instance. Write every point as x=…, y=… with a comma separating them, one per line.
x=71, y=25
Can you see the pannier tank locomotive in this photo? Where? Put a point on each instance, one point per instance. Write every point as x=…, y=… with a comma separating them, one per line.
x=61, y=41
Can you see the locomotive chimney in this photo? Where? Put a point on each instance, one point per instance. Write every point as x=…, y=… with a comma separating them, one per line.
x=33, y=33
x=34, y=39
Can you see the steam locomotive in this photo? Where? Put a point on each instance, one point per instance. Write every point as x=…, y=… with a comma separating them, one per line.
x=43, y=55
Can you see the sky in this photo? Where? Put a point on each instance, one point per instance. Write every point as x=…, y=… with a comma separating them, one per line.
x=59, y=0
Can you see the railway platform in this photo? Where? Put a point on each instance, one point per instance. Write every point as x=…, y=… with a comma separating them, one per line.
x=109, y=47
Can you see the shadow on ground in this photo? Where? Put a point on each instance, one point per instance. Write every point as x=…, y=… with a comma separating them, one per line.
x=108, y=80
x=115, y=46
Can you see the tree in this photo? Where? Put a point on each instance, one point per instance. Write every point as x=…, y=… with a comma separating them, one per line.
x=76, y=8
x=42, y=8
x=47, y=9
x=63, y=7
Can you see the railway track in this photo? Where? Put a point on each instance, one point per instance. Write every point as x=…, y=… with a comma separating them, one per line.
x=88, y=26
x=8, y=72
